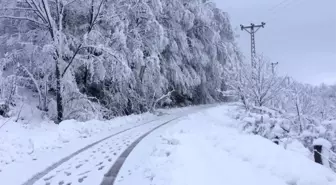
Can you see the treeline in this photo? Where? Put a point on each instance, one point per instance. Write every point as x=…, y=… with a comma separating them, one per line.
x=87, y=59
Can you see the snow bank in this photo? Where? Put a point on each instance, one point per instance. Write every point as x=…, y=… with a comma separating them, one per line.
x=209, y=149
x=297, y=146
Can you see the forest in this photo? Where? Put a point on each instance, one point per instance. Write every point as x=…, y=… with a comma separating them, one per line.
x=86, y=59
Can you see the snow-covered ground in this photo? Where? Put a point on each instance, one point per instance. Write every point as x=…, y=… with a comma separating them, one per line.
x=203, y=146
x=207, y=148
x=28, y=149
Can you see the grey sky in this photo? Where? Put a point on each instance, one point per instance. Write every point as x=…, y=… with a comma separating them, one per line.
x=299, y=34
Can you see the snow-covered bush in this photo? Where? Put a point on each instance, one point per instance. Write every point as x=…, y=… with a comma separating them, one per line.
x=286, y=128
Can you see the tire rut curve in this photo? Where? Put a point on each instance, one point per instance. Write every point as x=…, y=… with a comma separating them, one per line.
x=41, y=174
x=111, y=175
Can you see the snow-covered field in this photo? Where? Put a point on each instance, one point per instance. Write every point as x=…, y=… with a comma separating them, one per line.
x=207, y=148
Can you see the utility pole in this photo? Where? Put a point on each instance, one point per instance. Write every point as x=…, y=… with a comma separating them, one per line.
x=273, y=66
x=252, y=29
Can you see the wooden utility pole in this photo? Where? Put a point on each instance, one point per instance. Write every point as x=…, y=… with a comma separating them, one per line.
x=252, y=29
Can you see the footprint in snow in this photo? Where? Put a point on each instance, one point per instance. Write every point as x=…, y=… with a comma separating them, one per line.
x=48, y=178
x=99, y=164
x=67, y=173
x=78, y=166
x=84, y=173
x=80, y=180
x=100, y=168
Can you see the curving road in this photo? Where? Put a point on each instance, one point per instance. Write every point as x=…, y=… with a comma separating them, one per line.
x=90, y=164
x=100, y=162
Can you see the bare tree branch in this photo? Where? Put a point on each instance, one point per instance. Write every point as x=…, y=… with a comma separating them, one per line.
x=72, y=59
x=97, y=14
x=69, y=3
x=18, y=9
x=23, y=19
x=92, y=22
x=38, y=11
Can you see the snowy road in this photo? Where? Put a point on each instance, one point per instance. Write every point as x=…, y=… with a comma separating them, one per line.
x=90, y=164
x=195, y=146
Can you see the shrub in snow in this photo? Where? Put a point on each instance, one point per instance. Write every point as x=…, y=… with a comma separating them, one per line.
x=286, y=129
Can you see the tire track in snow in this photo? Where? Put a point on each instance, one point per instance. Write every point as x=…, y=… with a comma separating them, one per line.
x=41, y=174
x=111, y=175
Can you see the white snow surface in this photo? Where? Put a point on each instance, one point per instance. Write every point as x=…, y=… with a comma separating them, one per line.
x=323, y=142
x=207, y=148
x=29, y=148
x=204, y=146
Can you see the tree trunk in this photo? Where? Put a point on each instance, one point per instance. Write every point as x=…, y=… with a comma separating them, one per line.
x=45, y=106
x=299, y=115
x=59, y=104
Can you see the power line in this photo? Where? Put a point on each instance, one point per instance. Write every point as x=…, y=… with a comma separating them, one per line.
x=273, y=8
x=283, y=5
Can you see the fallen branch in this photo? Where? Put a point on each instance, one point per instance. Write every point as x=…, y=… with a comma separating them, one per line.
x=161, y=98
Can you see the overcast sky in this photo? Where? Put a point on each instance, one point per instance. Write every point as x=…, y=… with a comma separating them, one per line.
x=299, y=34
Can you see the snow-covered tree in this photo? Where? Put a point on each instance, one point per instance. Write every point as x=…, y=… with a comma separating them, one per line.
x=256, y=85
x=48, y=22
x=117, y=57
